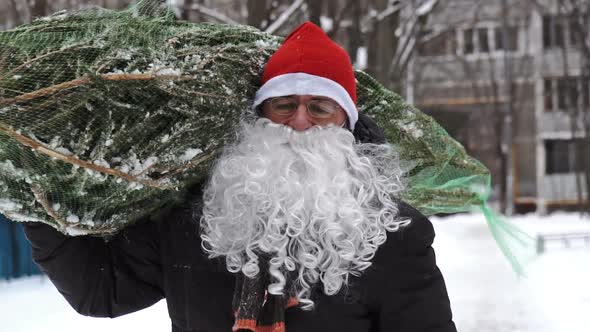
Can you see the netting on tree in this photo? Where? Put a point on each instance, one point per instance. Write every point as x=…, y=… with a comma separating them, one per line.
x=106, y=116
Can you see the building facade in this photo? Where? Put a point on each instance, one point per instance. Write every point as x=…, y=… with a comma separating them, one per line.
x=509, y=80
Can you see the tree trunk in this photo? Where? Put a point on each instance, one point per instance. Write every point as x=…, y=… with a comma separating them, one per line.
x=354, y=31
x=315, y=10
x=15, y=15
x=185, y=13
x=257, y=12
x=38, y=8
x=382, y=45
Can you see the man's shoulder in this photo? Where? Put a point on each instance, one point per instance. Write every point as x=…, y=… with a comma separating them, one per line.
x=411, y=239
x=405, y=252
x=366, y=130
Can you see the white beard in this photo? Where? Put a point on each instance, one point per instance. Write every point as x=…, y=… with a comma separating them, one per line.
x=315, y=202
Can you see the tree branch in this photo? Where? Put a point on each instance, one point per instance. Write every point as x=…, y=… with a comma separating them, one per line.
x=274, y=26
x=41, y=199
x=26, y=141
x=374, y=16
x=426, y=8
x=339, y=18
x=212, y=13
x=86, y=79
x=42, y=56
x=390, y=10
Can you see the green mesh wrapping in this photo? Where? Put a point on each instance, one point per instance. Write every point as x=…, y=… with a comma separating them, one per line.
x=440, y=176
x=106, y=116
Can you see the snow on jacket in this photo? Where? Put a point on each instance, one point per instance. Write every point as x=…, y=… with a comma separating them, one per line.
x=161, y=257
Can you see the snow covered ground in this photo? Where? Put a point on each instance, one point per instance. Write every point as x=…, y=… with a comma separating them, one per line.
x=485, y=294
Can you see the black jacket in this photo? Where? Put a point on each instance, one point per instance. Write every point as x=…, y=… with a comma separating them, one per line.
x=402, y=291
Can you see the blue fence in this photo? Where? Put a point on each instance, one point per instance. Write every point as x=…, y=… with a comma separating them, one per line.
x=15, y=251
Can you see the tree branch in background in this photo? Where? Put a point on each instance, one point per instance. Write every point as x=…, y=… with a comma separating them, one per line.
x=426, y=8
x=355, y=41
x=38, y=8
x=274, y=26
x=393, y=8
x=16, y=19
x=408, y=41
x=257, y=12
x=185, y=12
x=406, y=45
x=315, y=11
x=339, y=17
x=213, y=14
x=383, y=43
x=374, y=16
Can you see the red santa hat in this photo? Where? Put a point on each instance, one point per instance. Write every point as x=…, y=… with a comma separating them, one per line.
x=310, y=63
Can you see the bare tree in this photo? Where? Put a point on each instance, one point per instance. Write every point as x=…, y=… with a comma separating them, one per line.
x=382, y=43
x=354, y=31
x=315, y=10
x=185, y=12
x=257, y=12
x=38, y=8
x=15, y=15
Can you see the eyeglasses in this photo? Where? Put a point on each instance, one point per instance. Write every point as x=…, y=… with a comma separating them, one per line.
x=319, y=109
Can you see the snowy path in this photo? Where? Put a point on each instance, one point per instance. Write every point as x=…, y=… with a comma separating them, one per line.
x=485, y=294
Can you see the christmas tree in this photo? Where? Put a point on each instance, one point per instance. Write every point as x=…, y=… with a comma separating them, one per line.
x=107, y=116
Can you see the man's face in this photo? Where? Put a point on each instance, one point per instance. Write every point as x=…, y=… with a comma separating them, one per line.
x=302, y=112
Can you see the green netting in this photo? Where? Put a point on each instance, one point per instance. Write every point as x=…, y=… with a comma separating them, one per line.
x=440, y=176
x=106, y=116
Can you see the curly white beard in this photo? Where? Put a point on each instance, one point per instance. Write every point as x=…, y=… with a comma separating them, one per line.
x=315, y=202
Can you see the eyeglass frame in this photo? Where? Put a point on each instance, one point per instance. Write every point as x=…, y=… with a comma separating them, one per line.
x=260, y=108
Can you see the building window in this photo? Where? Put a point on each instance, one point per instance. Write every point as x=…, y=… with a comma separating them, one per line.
x=564, y=31
x=548, y=95
x=482, y=36
x=512, y=38
x=468, y=44
x=564, y=94
x=553, y=33
x=562, y=156
x=567, y=94
x=437, y=43
x=489, y=39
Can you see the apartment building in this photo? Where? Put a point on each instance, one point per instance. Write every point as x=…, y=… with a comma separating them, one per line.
x=482, y=64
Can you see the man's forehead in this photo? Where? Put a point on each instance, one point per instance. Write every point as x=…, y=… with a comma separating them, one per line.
x=309, y=97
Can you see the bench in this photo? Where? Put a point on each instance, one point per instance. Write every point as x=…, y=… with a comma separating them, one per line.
x=565, y=238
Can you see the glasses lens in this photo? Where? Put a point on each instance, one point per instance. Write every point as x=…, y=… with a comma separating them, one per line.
x=322, y=108
x=283, y=105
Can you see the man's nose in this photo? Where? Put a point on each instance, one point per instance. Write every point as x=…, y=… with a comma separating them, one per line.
x=300, y=120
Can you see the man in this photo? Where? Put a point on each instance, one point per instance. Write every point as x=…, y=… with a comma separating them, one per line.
x=298, y=227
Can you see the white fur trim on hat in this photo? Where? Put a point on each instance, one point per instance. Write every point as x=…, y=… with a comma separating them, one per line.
x=306, y=84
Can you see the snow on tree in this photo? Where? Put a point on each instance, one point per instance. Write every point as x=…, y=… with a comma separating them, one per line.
x=109, y=116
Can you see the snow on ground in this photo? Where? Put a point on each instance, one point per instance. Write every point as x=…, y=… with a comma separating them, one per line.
x=34, y=305
x=486, y=295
